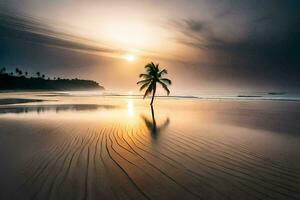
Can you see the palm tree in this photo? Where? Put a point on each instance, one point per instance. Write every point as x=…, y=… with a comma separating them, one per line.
x=152, y=76
x=26, y=74
x=3, y=69
x=38, y=74
x=17, y=71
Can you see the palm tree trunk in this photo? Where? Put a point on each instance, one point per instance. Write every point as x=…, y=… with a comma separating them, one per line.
x=153, y=94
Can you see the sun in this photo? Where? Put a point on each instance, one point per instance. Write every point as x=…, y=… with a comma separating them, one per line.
x=130, y=57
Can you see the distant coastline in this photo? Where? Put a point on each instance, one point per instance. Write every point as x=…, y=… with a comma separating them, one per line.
x=10, y=82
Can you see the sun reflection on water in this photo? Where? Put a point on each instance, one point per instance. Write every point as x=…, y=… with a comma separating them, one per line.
x=130, y=107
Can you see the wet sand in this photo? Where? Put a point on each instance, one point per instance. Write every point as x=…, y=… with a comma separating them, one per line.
x=75, y=147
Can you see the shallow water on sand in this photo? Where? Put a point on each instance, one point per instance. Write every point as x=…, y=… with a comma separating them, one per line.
x=96, y=147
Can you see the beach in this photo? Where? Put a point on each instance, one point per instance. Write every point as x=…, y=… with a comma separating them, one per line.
x=66, y=146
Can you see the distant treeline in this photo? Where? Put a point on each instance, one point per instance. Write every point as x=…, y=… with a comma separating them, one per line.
x=20, y=81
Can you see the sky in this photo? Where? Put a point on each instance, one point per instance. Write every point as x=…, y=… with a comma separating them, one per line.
x=215, y=46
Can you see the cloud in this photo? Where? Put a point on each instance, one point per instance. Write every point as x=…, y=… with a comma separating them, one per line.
x=268, y=59
x=262, y=19
x=195, y=33
x=31, y=30
x=23, y=28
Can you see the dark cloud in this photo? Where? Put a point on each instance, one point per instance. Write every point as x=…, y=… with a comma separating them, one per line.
x=264, y=56
x=197, y=33
x=262, y=19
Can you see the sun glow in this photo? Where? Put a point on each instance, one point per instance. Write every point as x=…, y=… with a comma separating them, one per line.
x=130, y=57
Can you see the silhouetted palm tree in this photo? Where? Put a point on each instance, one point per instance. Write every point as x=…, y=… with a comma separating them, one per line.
x=26, y=73
x=2, y=70
x=17, y=71
x=38, y=74
x=43, y=76
x=152, y=76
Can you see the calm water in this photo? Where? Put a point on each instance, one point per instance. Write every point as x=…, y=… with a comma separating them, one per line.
x=87, y=146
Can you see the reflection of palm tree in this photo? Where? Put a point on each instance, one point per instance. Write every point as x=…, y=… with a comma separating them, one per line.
x=152, y=126
x=153, y=76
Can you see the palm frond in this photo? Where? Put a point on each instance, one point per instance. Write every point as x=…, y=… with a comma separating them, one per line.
x=144, y=86
x=149, y=90
x=144, y=75
x=149, y=65
x=144, y=81
x=162, y=72
x=164, y=86
x=157, y=68
x=165, y=80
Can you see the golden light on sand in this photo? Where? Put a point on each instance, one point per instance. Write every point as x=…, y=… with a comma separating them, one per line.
x=130, y=57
